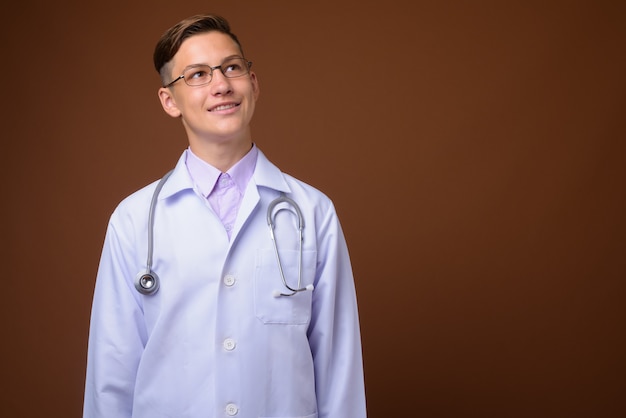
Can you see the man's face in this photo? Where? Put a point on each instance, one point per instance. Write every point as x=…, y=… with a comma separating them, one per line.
x=217, y=112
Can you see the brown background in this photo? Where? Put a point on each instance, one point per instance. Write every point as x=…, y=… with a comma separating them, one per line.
x=475, y=152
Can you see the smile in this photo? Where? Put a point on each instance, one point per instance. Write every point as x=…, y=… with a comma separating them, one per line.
x=224, y=107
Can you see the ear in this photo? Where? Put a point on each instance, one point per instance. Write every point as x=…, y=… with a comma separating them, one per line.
x=255, y=85
x=168, y=102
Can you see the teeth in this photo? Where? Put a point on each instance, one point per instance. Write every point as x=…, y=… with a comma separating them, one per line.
x=224, y=107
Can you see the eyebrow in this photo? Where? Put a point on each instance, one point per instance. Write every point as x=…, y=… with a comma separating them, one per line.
x=207, y=65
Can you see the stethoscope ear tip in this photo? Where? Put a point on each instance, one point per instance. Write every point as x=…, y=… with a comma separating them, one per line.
x=276, y=293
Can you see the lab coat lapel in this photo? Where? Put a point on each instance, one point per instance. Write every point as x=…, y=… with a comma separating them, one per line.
x=266, y=175
x=250, y=201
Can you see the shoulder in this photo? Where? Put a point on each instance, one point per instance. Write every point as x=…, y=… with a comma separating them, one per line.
x=139, y=198
x=133, y=210
x=306, y=190
x=269, y=175
x=177, y=180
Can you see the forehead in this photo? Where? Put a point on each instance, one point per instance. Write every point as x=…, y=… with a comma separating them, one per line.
x=206, y=48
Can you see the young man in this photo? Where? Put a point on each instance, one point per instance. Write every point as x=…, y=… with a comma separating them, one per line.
x=227, y=289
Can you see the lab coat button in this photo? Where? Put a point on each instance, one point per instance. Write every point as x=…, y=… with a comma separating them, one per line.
x=232, y=409
x=229, y=344
x=229, y=280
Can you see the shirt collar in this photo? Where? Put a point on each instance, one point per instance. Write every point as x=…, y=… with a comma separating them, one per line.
x=204, y=175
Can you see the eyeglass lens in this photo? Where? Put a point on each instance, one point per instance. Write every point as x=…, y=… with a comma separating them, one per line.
x=202, y=74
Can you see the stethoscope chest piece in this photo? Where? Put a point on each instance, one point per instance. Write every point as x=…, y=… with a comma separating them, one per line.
x=147, y=283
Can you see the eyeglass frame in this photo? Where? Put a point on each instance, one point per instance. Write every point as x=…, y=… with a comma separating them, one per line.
x=182, y=76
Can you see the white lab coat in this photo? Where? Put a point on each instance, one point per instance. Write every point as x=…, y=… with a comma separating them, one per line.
x=214, y=341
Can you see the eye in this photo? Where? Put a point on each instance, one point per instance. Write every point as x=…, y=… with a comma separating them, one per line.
x=197, y=73
x=233, y=67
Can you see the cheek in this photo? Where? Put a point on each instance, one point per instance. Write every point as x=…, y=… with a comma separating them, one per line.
x=251, y=105
x=194, y=102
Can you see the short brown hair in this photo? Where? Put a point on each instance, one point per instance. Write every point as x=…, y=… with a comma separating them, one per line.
x=171, y=40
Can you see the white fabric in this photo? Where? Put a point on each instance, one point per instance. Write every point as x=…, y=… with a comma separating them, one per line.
x=214, y=341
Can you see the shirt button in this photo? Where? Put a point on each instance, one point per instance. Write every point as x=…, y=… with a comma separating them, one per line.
x=229, y=344
x=232, y=409
x=229, y=280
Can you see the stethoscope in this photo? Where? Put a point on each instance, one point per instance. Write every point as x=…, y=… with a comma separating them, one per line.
x=270, y=222
x=147, y=282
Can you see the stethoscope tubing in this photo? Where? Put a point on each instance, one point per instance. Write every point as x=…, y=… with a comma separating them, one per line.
x=270, y=222
x=147, y=282
x=153, y=203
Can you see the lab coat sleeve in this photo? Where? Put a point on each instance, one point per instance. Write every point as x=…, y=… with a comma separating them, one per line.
x=334, y=333
x=117, y=332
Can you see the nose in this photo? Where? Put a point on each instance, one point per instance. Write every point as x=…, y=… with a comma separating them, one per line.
x=220, y=84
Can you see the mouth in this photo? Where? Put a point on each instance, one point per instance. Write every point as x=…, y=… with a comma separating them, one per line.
x=223, y=106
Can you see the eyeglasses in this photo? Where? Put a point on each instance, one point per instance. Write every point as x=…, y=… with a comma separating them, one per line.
x=199, y=75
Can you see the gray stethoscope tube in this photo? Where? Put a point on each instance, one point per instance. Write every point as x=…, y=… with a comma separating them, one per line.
x=147, y=282
x=270, y=223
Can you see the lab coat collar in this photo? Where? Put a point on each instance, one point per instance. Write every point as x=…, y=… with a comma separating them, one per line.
x=265, y=174
x=268, y=175
x=179, y=181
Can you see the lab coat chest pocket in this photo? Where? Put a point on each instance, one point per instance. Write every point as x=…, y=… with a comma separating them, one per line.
x=294, y=309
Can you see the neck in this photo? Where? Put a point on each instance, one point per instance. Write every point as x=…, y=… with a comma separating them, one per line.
x=221, y=155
